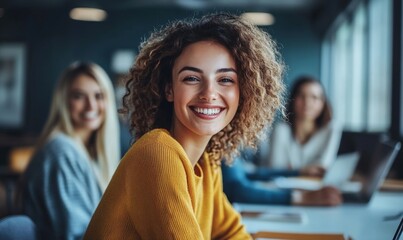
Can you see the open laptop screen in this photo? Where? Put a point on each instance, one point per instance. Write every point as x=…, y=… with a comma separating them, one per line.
x=379, y=165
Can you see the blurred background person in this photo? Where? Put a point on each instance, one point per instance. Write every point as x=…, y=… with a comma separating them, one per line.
x=304, y=146
x=76, y=155
x=310, y=137
x=243, y=184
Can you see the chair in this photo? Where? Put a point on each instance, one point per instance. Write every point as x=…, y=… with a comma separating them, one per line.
x=19, y=158
x=19, y=227
x=8, y=190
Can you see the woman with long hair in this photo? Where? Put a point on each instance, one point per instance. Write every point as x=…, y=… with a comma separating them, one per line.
x=76, y=154
x=310, y=137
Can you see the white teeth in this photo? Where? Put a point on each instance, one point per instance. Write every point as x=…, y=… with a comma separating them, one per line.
x=90, y=114
x=207, y=111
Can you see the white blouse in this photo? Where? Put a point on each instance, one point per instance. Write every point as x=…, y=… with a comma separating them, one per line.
x=285, y=152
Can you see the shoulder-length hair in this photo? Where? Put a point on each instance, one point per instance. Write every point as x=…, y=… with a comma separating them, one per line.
x=259, y=72
x=325, y=116
x=106, y=139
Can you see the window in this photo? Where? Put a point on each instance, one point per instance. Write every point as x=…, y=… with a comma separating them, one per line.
x=356, y=66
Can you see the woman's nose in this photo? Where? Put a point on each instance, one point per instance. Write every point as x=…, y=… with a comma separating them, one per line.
x=90, y=103
x=208, y=91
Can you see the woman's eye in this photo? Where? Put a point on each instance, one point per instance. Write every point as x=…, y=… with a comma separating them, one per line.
x=191, y=79
x=227, y=80
x=76, y=95
x=99, y=96
x=318, y=98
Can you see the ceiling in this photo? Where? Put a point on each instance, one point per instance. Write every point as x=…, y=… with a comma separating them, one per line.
x=263, y=5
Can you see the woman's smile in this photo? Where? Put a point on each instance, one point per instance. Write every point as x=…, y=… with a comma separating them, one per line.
x=204, y=90
x=207, y=112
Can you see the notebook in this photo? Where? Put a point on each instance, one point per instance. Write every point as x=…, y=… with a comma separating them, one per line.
x=338, y=175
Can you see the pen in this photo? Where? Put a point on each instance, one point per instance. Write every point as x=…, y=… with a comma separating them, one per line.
x=398, y=230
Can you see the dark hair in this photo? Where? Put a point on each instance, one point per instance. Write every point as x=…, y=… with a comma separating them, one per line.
x=325, y=116
x=259, y=73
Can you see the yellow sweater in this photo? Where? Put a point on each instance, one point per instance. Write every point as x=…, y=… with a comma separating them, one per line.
x=156, y=194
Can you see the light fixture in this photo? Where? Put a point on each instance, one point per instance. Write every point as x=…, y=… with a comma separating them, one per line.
x=259, y=18
x=88, y=14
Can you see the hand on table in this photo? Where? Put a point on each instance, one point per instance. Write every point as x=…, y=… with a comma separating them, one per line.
x=313, y=171
x=326, y=196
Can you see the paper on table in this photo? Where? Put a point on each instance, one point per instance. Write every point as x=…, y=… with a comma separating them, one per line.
x=298, y=236
x=275, y=216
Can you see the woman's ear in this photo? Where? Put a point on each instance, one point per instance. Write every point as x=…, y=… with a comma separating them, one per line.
x=169, y=95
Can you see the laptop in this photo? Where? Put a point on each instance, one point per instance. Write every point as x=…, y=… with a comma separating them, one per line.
x=379, y=165
x=338, y=175
x=367, y=183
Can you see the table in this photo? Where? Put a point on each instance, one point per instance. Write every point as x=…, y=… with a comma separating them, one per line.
x=359, y=221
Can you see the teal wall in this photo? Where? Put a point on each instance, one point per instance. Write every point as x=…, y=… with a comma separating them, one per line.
x=299, y=45
x=53, y=41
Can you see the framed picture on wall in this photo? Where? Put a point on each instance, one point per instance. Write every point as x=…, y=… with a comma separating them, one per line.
x=12, y=84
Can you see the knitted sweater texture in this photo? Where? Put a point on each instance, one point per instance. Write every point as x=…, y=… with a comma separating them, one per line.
x=156, y=193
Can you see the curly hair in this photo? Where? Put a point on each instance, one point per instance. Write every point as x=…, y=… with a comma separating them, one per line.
x=260, y=71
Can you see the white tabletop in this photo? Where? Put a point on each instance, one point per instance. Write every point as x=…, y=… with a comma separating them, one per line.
x=359, y=221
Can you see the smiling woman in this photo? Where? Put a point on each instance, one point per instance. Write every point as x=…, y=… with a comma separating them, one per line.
x=198, y=90
x=311, y=138
x=87, y=105
x=205, y=94
x=76, y=154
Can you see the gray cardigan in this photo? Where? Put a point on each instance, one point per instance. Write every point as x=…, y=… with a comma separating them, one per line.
x=60, y=190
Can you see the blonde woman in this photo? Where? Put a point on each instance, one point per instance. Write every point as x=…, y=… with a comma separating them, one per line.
x=76, y=155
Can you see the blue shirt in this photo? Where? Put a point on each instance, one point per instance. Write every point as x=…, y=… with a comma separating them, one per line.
x=240, y=186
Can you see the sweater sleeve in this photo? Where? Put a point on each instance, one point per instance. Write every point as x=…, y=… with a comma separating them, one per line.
x=69, y=203
x=239, y=188
x=61, y=197
x=158, y=183
x=226, y=221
